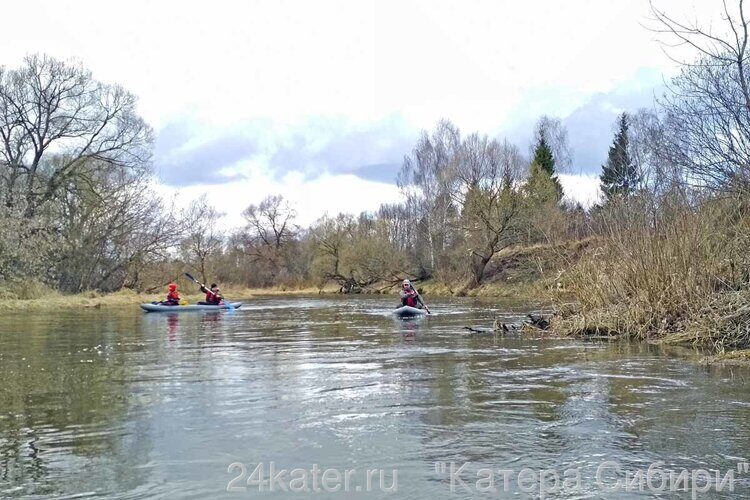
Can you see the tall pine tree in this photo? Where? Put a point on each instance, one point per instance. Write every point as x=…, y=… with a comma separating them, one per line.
x=619, y=174
x=543, y=165
x=543, y=157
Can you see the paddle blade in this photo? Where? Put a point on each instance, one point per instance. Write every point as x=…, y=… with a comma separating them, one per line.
x=190, y=277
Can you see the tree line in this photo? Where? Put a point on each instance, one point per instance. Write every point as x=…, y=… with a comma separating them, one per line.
x=78, y=212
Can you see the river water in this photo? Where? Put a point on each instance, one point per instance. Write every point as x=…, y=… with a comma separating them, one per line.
x=123, y=404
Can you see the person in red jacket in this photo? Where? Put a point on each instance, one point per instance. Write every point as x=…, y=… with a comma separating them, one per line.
x=213, y=295
x=173, y=297
x=409, y=296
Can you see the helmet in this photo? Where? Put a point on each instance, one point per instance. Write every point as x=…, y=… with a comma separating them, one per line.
x=406, y=283
x=172, y=287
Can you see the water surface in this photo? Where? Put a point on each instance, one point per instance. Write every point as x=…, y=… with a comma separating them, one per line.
x=121, y=404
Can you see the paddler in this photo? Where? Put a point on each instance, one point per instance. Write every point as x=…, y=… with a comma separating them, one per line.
x=213, y=295
x=173, y=297
x=409, y=296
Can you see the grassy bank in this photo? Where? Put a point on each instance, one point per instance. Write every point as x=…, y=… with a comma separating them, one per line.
x=39, y=298
x=52, y=300
x=527, y=275
x=678, y=275
x=676, y=283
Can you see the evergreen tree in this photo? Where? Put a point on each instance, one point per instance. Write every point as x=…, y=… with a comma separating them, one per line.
x=543, y=157
x=619, y=173
x=543, y=172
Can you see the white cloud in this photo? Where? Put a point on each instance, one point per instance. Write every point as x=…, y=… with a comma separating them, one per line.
x=229, y=61
x=310, y=198
x=581, y=188
x=258, y=71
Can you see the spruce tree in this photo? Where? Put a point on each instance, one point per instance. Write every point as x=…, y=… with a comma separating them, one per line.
x=543, y=157
x=619, y=174
x=545, y=167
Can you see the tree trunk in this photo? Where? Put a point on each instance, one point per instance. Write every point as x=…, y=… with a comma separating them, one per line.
x=478, y=266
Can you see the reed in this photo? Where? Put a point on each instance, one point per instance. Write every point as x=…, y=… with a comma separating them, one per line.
x=673, y=268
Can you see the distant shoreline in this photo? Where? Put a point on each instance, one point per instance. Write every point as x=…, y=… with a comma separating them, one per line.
x=126, y=297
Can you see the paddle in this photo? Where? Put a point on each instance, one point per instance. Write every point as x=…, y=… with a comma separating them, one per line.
x=421, y=300
x=204, y=287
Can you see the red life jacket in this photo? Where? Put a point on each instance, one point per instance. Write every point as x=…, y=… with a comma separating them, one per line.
x=173, y=297
x=211, y=298
x=411, y=299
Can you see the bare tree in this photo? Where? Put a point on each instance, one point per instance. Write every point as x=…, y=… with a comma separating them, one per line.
x=650, y=151
x=270, y=227
x=489, y=196
x=427, y=178
x=272, y=221
x=398, y=223
x=707, y=107
x=57, y=121
x=112, y=227
x=203, y=238
x=331, y=235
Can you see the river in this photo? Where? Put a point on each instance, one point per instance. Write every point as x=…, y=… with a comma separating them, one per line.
x=118, y=403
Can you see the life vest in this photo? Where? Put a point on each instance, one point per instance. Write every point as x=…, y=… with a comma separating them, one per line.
x=173, y=297
x=411, y=299
x=211, y=298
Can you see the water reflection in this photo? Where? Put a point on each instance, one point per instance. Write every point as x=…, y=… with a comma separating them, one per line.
x=124, y=404
x=408, y=327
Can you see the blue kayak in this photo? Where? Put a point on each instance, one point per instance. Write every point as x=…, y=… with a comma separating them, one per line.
x=409, y=312
x=189, y=307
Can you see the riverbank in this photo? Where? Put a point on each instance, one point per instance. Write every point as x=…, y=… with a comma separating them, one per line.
x=569, y=320
x=88, y=300
x=522, y=274
x=52, y=300
x=562, y=277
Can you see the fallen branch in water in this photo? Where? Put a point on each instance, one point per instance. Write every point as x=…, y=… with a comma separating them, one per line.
x=534, y=323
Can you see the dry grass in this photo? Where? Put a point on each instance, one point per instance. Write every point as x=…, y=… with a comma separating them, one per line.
x=740, y=358
x=667, y=271
x=525, y=273
x=39, y=297
x=47, y=299
x=54, y=301
x=722, y=324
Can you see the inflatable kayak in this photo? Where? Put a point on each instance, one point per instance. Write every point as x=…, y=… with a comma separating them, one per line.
x=190, y=307
x=409, y=312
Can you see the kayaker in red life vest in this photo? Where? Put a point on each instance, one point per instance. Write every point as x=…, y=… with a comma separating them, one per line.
x=213, y=297
x=409, y=295
x=173, y=297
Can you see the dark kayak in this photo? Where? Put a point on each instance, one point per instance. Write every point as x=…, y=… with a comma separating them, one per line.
x=409, y=312
x=190, y=307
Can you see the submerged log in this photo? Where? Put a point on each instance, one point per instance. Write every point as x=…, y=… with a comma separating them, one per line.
x=539, y=322
x=498, y=328
x=533, y=323
x=475, y=329
x=504, y=327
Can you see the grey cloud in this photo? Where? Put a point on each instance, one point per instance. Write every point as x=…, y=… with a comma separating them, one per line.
x=591, y=125
x=381, y=172
x=373, y=153
x=179, y=165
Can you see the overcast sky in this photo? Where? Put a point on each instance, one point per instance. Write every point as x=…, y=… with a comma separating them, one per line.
x=320, y=100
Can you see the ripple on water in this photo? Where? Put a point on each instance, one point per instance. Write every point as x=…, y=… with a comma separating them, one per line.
x=164, y=403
